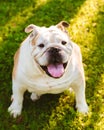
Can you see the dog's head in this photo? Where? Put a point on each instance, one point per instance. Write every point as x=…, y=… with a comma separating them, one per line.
x=51, y=48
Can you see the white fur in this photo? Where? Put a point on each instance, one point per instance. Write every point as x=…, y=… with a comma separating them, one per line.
x=29, y=76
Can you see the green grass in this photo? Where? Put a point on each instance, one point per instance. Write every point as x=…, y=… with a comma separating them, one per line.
x=54, y=112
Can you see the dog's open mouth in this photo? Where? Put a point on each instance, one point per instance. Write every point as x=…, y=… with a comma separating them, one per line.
x=55, y=70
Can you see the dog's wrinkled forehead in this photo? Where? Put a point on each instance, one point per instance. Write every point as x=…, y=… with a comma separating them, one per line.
x=52, y=30
x=55, y=32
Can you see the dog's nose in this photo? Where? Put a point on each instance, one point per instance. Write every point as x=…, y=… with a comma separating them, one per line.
x=55, y=55
x=54, y=50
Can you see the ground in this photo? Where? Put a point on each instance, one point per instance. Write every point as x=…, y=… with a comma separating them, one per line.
x=54, y=112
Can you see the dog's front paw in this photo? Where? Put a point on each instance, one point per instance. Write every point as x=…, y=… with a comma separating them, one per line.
x=82, y=108
x=15, y=110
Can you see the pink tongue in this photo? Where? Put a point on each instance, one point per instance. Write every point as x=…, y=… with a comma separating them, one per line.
x=56, y=70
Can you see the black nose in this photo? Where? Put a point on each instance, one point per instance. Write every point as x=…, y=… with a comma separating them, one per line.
x=54, y=50
x=54, y=56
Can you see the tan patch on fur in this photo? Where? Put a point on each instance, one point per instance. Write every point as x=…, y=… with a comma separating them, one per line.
x=16, y=58
x=63, y=25
x=34, y=40
x=12, y=98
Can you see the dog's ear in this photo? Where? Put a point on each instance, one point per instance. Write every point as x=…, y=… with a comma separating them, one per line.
x=30, y=28
x=62, y=25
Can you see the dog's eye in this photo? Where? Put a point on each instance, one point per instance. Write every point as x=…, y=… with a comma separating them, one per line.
x=63, y=42
x=41, y=45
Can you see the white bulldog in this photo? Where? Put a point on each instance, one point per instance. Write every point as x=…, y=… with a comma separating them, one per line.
x=47, y=62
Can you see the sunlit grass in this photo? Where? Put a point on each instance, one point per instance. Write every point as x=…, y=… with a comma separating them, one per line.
x=84, y=21
x=85, y=30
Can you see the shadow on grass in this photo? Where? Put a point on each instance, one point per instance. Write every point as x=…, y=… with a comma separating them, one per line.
x=55, y=11
x=11, y=8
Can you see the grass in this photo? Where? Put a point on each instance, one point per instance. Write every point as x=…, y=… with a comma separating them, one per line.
x=54, y=112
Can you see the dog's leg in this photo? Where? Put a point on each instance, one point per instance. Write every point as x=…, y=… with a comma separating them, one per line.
x=34, y=96
x=79, y=90
x=17, y=97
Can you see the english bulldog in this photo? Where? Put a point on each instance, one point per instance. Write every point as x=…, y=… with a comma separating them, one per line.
x=47, y=62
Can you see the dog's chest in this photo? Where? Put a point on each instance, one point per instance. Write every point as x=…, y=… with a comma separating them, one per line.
x=45, y=85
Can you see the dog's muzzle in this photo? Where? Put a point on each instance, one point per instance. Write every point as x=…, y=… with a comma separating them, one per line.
x=55, y=67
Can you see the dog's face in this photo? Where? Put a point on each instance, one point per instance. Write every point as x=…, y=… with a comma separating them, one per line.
x=50, y=48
